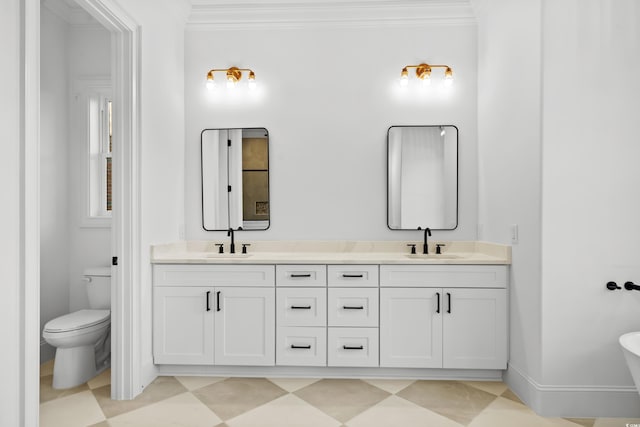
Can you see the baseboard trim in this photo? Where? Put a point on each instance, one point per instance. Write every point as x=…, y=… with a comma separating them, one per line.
x=330, y=372
x=573, y=401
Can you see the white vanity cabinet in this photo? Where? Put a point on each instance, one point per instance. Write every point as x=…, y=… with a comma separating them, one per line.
x=441, y=316
x=214, y=314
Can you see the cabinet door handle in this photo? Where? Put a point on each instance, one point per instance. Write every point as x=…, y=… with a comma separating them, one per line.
x=208, y=306
x=218, y=301
x=353, y=275
x=304, y=347
x=351, y=307
x=301, y=275
x=300, y=307
x=353, y=347
x=449, y=298
x=438, y=299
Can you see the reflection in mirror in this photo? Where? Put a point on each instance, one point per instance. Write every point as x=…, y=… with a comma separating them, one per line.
x=422, y=177
x=235, y=179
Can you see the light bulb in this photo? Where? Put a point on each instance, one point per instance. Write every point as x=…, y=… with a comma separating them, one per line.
x=210, y=83
x=448, y=77
x=252, y=80
x=231, y=83
x=404, y=77
x=426, y=81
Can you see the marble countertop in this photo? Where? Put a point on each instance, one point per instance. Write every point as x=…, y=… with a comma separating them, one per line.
x=330, y=252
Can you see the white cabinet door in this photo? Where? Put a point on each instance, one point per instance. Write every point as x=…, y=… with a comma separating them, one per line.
x=183, y=325
x=475, y=328
x=411, y=327
x=245, y=326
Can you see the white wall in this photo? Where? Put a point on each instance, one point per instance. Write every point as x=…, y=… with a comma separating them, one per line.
x=327, y=95
x=54, y=164
x=11, y=255
x=509, y=160
x=590, y=194
x=162, y=141
x=557, y=110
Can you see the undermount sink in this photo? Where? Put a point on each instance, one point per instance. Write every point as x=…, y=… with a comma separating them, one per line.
x=433, y=256
x=227, y=256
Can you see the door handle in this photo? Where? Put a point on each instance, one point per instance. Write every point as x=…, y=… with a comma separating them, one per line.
x=353, y=347
x=438, y=299
x=300, y=307
x=218, y=301
x=449, y=298
x=304, y=347
x=301, y=275
x=356, y=276
x=208, y=306
x=351, y=307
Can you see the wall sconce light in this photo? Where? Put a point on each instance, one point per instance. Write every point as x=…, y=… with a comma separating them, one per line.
x=233, y=76
x=423, y=72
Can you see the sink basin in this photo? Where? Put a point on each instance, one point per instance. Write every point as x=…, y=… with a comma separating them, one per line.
x=433, y=256
x=227, y=256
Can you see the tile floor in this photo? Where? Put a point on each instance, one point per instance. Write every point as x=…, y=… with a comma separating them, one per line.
x=295, y=402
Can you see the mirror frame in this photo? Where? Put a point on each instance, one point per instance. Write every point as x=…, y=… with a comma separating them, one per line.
x=457, y=176
x=257, y=128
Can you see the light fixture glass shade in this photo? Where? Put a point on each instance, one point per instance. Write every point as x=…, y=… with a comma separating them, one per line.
x=252, y=80
x=448, y=76
x=404, y=77
x=210, y=83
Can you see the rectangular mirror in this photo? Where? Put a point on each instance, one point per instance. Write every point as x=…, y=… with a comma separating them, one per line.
x=422, y=181
x=235, y=179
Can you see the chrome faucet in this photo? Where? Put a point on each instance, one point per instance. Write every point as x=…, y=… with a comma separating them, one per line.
x=232, y=250
x=425, y=246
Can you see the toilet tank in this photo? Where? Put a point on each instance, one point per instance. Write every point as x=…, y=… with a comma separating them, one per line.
x=98, y=282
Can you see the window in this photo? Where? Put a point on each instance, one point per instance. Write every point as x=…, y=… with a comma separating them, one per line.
x=100, y=149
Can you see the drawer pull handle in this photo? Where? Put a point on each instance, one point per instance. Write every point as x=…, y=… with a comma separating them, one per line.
x=449, y=298
x=438, y=306
x=353, y=347
x=351, y=307
x=353, y=275
x=296, y=275
x=208, y=306
x=304, y=347
x=300, y=307
x=218, y=301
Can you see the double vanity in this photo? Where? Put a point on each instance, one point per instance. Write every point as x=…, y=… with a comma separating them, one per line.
x=331, y=309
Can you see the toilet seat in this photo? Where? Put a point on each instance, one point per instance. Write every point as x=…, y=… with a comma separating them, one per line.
x=78, y=320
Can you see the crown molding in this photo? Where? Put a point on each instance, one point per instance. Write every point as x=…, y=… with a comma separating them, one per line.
x=226, y=14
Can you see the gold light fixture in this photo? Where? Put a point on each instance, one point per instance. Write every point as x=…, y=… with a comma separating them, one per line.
x=233, y=76
x=423, y=72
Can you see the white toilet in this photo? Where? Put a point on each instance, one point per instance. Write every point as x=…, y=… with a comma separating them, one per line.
x=82, y=338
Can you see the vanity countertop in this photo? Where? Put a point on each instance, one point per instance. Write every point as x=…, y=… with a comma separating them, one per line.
x=330, y=252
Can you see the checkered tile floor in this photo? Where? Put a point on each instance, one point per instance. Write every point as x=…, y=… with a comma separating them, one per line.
x=295, y=402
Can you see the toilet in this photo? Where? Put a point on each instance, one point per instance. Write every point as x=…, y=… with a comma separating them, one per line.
x=82, y=339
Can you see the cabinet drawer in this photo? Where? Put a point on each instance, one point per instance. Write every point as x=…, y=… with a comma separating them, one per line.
x=213, y=275
x=301, y=346
x=352, y=307
x=352, y=347
x=352, y=275
x=449, y=276
x=301, y=306
x=301, y=275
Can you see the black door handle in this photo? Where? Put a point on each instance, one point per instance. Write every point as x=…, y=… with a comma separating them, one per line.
x=218, y=301
x=438, y=299
x=449, y=297
x=208, y=306
x=300, y=307
x=301, y=275
x=353, y=275
x=353, y=347
x=305, y=347
x=350, y=307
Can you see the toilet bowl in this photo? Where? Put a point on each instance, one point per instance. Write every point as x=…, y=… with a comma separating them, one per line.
x=82, y=339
